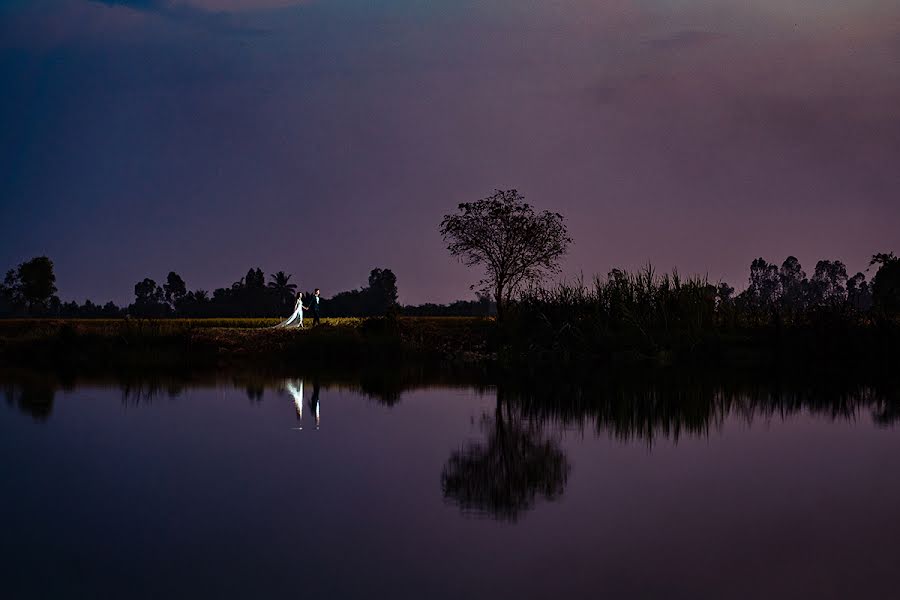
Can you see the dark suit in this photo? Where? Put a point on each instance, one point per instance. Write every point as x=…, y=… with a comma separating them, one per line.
x=314, y=401
x=314, y=307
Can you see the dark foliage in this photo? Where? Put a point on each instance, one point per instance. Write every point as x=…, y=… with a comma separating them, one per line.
x=482, y=307
x=30, y=288
x=662, y=317
x=378, y=298
x=886, y=284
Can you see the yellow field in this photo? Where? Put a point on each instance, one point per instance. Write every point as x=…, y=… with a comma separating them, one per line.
x=19, y=328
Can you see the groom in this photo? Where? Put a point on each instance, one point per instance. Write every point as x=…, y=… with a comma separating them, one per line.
x=314, y=306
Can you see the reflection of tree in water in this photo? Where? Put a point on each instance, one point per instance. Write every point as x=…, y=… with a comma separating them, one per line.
x=34, y=399
x=504, y=476
x=517, y=464
x=255, y=393
x=145, y=391
x=647, y=407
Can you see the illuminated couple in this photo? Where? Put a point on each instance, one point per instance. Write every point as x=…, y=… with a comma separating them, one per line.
x=296, y=318
x=296, y=392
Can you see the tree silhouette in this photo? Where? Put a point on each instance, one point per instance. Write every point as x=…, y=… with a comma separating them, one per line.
x=34, y=398
x=515, y=245
x=886, y=283
x=282, y=286
x=175, y=289
x=828, y=286
x=31, y=286
x=10, y=297
x=504, y=476
x=147, y=292
x=373, y=300
x=765, y=284
x=792, y=280
x=859, y=293
x=382, y=292
x=149, y=299
x=255, y=279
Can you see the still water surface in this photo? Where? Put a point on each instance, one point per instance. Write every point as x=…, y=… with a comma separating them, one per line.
x=326, y=490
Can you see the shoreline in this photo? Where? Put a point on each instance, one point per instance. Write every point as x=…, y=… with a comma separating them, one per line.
x=471, y=343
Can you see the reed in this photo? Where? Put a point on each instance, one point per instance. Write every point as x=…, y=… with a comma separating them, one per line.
x=668, y=318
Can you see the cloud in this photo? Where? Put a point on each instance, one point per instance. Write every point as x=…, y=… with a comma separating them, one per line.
x=216, y=20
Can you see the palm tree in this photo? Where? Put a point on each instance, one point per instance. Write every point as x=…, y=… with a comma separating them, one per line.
x=281, y=284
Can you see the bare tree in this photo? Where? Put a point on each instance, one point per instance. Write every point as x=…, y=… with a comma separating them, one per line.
x=515, y=245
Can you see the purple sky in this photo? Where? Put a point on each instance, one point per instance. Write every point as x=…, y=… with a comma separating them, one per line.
x=326, y=137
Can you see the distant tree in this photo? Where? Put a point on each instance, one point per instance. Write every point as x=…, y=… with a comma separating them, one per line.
x=859, y=295
x=375, y=299
x=255, y=279
x=792, y=281
x=503, y=234
x=110, y=310
x=351, y=303
x=68, y=309
x=828, y=286
x=724, y=292
x=149, y=299
x=886, y=283
x=147, y=292
x=765, y=284
x=11, y=301
x=35, y=282
x=283, y=288
x=724, y=300
x=89, y=309
x=382, y=291
x=483, y=306
x=175, y=289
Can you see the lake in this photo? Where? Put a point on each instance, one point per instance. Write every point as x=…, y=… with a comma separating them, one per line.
x=236, y=486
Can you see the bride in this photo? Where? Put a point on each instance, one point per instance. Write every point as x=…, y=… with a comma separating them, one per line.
x=296, y=319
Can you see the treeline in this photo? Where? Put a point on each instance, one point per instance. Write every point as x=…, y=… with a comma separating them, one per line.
x=30, y=291
x=642, y=304
x=253, y=296
x=483, y=306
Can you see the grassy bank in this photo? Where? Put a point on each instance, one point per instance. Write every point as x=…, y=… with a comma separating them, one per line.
x=534, y=337
x=203, y=343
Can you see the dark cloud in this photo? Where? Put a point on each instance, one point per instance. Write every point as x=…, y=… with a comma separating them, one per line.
x=181, y=11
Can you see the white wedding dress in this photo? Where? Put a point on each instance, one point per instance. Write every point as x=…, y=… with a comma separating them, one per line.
x=297, y=395
x=296, y=319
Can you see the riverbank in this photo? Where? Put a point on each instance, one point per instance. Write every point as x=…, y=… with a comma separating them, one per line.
x=479, y=342
x=205, y=343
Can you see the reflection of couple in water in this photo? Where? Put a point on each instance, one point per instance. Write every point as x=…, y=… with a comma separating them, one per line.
x=296, y=391
x=296, y=318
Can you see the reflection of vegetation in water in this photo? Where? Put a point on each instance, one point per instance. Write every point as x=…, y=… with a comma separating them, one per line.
x=647, y=410
x=643, y=406
x=32, y=399
x=504, y=476
x=255, y=393
x=145, y=391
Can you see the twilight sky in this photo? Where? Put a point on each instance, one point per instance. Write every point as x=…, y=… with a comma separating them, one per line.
x=328, y=137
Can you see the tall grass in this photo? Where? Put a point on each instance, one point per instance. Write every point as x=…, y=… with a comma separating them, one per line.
x=632, y=317
x=626, y=312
